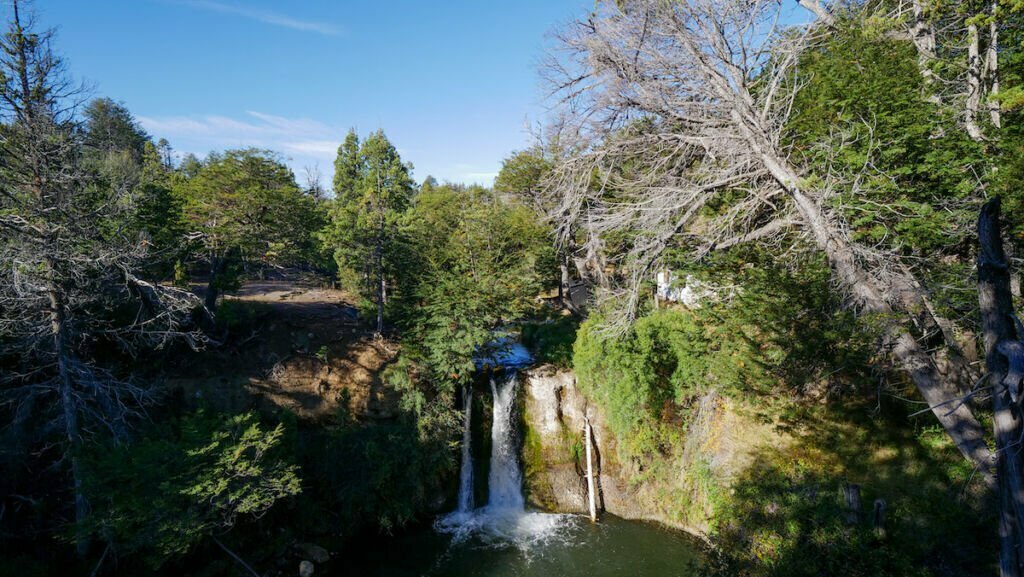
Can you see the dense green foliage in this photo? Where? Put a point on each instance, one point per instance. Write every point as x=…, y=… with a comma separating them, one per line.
x=772, y=331
x=245, y=208
x=779, y=347
x=551, y=340
x=246, y=201
x=186, y=481
x=785, y=515
x=473, y=264
x=522, y=176
x=372, y=190
x=860, y=113
x=375, y=478
x=95, y=216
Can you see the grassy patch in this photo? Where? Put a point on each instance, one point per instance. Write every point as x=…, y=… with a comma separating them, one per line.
x=551, y=341
x=235, y=314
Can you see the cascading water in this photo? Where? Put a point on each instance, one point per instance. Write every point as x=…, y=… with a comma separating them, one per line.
x=504, y=521
x=466, y=472
x=505, y=480
x=547, y=544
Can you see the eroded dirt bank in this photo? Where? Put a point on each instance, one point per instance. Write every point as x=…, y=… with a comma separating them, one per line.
x=293, y=346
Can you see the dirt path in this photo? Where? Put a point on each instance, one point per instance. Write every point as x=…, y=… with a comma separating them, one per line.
x=297, y=299
x=300, y=348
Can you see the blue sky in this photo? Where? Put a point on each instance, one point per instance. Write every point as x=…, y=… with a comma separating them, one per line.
x=454, y=84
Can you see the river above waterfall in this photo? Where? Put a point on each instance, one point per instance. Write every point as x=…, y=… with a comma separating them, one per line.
x=565, y=545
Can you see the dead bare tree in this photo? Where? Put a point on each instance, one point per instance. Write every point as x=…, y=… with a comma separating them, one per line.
x=972, y=104
x=820, y=12
x=955, y=30
x=992, y=67
x=65, y=268
x=669, y=106
x=1004, y=358
x=923, y=36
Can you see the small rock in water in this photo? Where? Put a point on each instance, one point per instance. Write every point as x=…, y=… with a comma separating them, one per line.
x=314, y=552
x=306, y=569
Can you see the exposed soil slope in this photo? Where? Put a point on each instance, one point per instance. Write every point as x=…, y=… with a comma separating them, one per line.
x=290, y=345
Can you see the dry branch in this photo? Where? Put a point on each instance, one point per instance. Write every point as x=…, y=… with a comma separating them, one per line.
x=668, y=107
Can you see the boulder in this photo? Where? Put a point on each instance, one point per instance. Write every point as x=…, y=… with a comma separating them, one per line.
x=315, y=552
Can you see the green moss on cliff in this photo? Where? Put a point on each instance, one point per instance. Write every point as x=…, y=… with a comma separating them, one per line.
x=535, y=463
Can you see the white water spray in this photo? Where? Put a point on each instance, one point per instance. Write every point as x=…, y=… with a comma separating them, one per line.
x=503, y=522
x=505, y=481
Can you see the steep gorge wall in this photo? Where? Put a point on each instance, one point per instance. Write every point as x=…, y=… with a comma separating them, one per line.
x=680, y=489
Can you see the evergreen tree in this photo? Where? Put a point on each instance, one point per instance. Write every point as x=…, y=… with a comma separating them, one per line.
x=109, y=126
x=472, y=263
x=185, y=482
x=67, y=272
x=246, y=208
x=348, y=167
x=372, y=190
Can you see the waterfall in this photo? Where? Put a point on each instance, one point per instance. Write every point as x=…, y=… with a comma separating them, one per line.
x=504, y=521
x=466, y=472
x=505, y=482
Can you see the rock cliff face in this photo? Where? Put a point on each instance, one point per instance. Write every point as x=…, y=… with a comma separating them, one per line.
x=554, y=413
x=679, y=491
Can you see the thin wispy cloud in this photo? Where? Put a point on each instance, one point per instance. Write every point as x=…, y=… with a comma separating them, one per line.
x=299, y=135
x=303, y=141
x=265, y=16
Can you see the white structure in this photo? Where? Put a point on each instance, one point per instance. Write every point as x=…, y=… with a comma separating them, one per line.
x=691, y=293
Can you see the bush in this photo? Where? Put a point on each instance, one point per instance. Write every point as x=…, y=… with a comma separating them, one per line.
x=551, y=341
x=184, y=481
x=777, y=332
x=236, y=314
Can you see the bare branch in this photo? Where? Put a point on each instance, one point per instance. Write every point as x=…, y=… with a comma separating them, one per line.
x=767, y=230
x=823, y=15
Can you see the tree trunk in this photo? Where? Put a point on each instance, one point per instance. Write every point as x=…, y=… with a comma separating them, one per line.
x=591, y=485
x=217, y=265
x=973, y=103
x=851, y=494
x=69, y=409
x=940, y=394
x=992, y=69
x=878, y=518
x=819, y=11
x=378, y=258
x=998, y=327
x=923, y=36
x=564, y=286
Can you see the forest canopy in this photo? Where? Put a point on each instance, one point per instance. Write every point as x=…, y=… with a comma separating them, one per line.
x=813, y=189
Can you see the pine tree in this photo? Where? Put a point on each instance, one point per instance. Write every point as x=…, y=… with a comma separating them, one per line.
x=66, y=267
x=372, y=190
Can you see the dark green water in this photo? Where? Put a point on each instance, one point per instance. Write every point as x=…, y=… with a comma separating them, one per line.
x=534, y=545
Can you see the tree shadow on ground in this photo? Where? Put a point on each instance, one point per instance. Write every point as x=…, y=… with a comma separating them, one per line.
x=787, y=515
x=313, y=359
